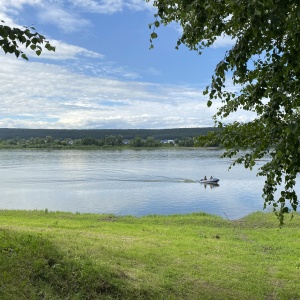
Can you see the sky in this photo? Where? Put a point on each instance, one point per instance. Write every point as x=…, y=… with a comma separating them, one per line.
x=102, y=74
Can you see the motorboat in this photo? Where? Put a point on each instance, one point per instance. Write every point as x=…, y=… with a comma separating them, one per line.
x=212, y=180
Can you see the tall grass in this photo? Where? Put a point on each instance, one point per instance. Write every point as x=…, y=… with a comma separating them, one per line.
x=55, y=255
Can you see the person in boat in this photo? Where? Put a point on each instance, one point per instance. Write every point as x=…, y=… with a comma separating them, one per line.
x=205, y=177
x=211, y=178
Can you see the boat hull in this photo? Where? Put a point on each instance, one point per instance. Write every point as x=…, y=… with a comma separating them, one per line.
x=214, y=180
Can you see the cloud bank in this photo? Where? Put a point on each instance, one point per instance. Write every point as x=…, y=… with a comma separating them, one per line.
x=79, y=88
x=37, y=95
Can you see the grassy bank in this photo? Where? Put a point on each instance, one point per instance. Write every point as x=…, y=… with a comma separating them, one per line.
x=45, y=255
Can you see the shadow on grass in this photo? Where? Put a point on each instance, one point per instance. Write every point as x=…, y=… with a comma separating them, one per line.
x=32, y=268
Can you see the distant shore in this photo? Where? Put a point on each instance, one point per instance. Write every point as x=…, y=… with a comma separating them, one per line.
x=163, y=147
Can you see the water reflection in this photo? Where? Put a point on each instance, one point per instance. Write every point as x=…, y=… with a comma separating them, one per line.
x=127, y=182
x=210, y=185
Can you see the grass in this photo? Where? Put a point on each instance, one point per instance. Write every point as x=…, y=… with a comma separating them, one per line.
x=56, y=255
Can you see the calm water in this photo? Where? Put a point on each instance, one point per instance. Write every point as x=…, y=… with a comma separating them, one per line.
x=135, y=182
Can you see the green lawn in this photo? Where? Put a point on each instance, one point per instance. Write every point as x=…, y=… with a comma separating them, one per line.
x=56, y=255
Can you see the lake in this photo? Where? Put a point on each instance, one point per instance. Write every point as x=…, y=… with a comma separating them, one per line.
x=127, y=182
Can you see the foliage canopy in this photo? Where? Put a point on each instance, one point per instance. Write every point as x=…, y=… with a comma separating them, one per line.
x=12, y=39
x=264, y=65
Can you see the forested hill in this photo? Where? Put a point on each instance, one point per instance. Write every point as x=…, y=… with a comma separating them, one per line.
x=159, y=134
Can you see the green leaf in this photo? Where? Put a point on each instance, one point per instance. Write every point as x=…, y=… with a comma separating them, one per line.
x=11, y=38
x=153, y=35
x=24, y=56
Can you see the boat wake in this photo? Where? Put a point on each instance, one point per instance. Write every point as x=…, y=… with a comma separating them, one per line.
x=161, y=179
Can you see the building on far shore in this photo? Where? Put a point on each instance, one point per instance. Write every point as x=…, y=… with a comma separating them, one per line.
x=167, y=141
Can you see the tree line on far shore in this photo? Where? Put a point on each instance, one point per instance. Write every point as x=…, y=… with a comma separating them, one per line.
x=129, y=134
x=90, y=142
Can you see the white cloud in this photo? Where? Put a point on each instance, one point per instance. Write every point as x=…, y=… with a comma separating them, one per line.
x=14, y=5
x=37, y=95
x=103, y=7
x=111, y=6
x=224, y=42
x=47, y=12
x=65, y=51
x=153, y=71
x=65, y=14
x=138, y=5
x=95, y=6
x=67, y=21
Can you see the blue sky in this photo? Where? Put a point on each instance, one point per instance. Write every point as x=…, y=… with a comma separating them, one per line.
x=103, y=74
